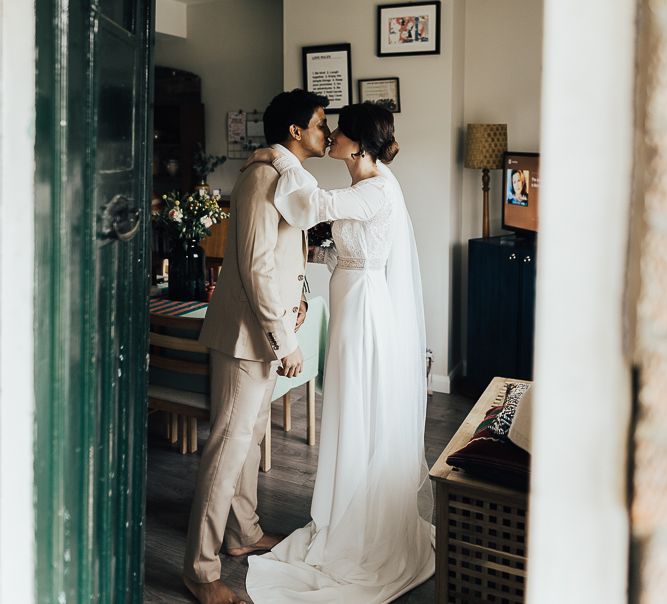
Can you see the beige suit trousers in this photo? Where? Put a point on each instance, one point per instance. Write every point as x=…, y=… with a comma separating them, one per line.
x=225, y=500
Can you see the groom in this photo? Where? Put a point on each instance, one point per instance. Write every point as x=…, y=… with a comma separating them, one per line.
x=257, y=306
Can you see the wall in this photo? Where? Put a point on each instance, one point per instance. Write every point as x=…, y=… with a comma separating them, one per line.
x=17, y=322
x=235, y=46
x=467, y=82
x=503, y=73
x=171, y=17
x=427, y=130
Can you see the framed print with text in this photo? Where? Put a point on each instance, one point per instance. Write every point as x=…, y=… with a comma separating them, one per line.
x=383, y=91
x=408, y=29
x=327, y=70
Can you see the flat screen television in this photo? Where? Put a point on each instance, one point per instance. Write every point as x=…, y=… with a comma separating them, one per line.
x=521, y=192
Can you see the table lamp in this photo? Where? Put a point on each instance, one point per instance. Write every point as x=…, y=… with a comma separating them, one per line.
x=485, y=145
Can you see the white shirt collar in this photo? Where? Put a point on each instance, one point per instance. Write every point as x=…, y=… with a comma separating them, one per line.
x=285, y=151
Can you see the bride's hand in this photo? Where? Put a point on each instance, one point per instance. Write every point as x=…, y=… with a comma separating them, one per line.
x=265, y=155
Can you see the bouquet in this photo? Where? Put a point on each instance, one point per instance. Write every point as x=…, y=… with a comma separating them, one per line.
x=320, y=235
x=190, y=217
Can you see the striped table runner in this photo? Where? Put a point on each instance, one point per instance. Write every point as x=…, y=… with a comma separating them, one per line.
x=161, y=305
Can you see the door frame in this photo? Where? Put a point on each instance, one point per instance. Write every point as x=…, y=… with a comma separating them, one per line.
x=17, y=209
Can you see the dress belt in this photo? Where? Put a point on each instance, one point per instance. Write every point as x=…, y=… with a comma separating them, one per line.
x=360, y=263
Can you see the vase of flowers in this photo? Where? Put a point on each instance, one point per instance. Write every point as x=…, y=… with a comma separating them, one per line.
x=187, y=221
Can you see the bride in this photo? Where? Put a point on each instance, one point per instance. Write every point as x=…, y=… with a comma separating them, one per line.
x=370, y=538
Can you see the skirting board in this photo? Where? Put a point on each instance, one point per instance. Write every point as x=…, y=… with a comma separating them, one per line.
x=443, y=383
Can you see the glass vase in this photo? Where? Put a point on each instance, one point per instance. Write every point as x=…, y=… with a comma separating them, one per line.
x=187, y=270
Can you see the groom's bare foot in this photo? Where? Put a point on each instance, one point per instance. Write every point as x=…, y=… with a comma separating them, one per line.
x=215, y=592
x=267, y=542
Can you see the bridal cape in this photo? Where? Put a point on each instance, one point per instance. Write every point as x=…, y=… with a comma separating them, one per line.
x=370, y=538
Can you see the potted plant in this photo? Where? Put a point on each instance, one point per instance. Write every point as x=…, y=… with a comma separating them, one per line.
x=204, y=163
x=186, y=221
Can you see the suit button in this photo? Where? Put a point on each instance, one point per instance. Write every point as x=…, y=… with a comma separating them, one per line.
x=295, y=309
x=300, y=277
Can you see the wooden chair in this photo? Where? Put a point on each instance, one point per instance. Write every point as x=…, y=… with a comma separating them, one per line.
x=179, y=381
x=312, y=339
x=266, y=461
x=179, y=377
x=214, y=246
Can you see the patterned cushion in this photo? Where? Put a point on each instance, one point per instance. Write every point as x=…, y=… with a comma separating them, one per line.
x=489, y=453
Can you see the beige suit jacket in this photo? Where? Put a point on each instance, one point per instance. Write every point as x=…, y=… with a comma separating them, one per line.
x=253, y=311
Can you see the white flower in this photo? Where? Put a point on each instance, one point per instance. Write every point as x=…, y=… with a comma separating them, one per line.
x=326, y=243
x=176, y=215
x=206, y=221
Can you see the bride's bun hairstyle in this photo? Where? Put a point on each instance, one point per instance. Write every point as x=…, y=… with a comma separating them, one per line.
x=372, y=126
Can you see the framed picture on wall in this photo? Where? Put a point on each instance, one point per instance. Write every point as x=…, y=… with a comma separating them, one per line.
x=383, y=91
x=327, y=70
x=408, y=29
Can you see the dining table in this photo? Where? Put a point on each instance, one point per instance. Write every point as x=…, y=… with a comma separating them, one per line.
x=312, y=339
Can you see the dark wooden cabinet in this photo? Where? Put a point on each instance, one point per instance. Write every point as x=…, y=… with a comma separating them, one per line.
x=501, y=309
x=178, y=126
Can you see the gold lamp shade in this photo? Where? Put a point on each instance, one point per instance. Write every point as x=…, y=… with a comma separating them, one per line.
x=485, y=145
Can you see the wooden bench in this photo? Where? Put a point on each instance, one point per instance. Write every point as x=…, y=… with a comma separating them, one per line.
x=481, y=527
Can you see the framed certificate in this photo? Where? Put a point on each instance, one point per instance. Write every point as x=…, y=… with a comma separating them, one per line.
x=327, y=70
x=383, y=91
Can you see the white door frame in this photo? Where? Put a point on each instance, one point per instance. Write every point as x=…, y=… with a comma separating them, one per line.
x=579, y=526
x=17, y=140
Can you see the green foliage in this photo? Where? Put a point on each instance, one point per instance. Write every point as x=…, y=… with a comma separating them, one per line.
x=204, y=163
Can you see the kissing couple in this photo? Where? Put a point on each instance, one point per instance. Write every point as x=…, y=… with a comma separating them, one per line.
x=370, y=538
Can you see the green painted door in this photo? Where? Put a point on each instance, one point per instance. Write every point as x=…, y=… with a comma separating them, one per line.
x=92, y=271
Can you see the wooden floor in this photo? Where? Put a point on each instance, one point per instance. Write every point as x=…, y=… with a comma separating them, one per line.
x=284, y=493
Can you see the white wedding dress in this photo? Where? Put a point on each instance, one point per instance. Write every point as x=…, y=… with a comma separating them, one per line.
x=370, y=538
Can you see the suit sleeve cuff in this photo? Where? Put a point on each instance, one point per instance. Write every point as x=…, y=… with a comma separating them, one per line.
x=287, y=346
x=284, y=342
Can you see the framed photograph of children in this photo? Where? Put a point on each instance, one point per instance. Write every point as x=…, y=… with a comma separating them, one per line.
x=408, y=29
x=327, y=70
x=383, y=91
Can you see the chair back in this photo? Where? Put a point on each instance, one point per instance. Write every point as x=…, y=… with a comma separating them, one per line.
x=177, y=359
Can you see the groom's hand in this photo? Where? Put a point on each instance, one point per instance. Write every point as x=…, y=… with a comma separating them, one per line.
x=263, y=155
x=292, y=364
x=301, y=316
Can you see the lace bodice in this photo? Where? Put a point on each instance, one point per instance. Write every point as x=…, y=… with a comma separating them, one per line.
x=361, y=214
x=365, y=243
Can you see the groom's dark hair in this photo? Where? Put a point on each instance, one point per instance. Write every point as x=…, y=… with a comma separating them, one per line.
x=294, y=107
